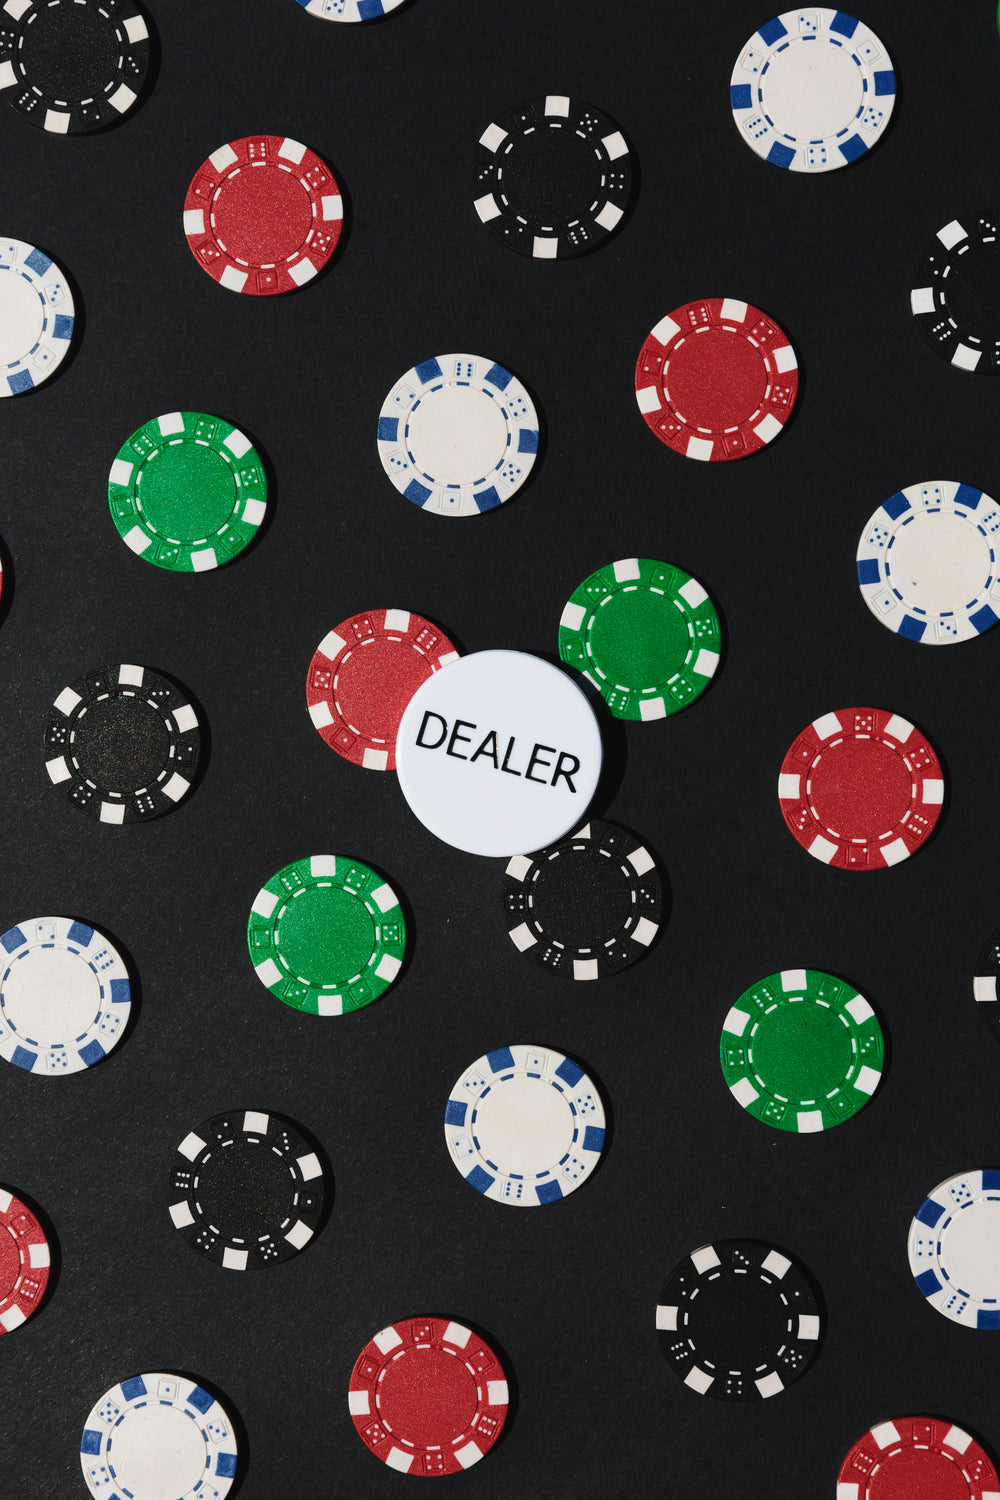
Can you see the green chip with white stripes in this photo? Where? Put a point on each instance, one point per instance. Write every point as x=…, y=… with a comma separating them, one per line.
x=326, y=935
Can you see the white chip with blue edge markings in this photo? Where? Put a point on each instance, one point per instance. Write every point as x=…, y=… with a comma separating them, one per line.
x=954, y=1248
x=36, y=317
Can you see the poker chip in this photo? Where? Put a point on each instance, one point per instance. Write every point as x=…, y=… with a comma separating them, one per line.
x=428, y=1397
x=912, y=1457
x=263, y=215
x=739, y=1320
x=956, y=294
x=247, y=1190
x=458, y=435
x=348, y=10
x=802, y=1050
x=588, y=906
x=985, y=983
x=813, y=90
x=187, y=491
x=36, y=316
x=156, y=1436
x=952, y=1248
x=25, y=1260
x=927, y=565
x=524, y=1126
x=72, y=66
x=122, y=743
x=716, y=379
x=645, y=633
x=861, y=789
x=65, y=996
x=553, y=177
x=364, y=673
x=326, y=935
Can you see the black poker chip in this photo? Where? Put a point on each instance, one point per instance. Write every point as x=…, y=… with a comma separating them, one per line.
x=247, y=1189
x=956, y=294
x=585, y=907
x=984, y=985
x=73, y=66
x=122, y=743
x=553, y=177
x=739, y=1320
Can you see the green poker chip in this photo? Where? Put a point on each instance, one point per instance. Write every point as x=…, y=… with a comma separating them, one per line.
x=326, y=935
x=645, y=633
x=187, y=492
x=802, y=1050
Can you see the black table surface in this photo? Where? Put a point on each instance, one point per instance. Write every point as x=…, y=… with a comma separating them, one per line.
x=567, y=1293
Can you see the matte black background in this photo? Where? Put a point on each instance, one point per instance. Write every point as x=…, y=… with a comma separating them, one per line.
x=567, y=1294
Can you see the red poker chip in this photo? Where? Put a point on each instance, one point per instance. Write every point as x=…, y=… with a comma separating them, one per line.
x=428, y=1397
x=363, y=675
x=716, y=379
x=24, y=1262
x=861, y=788
x=917, y=1458
x=263, y=215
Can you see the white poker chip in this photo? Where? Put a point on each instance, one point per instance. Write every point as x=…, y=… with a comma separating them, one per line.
x=36, y=317
x=158, y=1437
x=927, y=562
x=525, y=1126
x=65, y=996
x=812, y=90
x=349, y=10
x=499, y=753
x=458, y=435
x=954, y=1248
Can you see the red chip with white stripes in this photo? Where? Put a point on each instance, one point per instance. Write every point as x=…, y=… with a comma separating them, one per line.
x=861, y=788
x=24, y=1262
x=428, y=1397
x=364, y=673
x=716, y=379
x=263, y=215
x=910, y=1458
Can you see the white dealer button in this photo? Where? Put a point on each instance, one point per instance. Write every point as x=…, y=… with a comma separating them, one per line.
x=499, y=753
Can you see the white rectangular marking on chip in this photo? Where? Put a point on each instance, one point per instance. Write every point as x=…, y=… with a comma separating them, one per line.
x=235, y=1260
x=137, y=540
x=299, y=1235
x=965, y=358
x=957, y=1439
x=385, y=898
x=665, y=330
x=333, y=207
x=255, y=1122
x=375, y=760
x=399, y=1460
x=827, y=726
x=39, y=1256
x=626, y=568
x=136, y=30
x=951, y=234
x=859, y=1009
x=885, y=1434
x=497, y=1393
x=191, y=1146
x=933, y=791
x=254, y=512
x=518, y=867
x=323, y=864
x=666, y=1319
x=784, y=358
x=493, y=136
x=768, y=429
x=320, y=714
x=733, y=311
x=822, y=849
x=16, y=8
x=223, y=158
x=112, y=812
x=692, y=593
x=330, y=1005
x=810, y=1121
x=809, y=1326
x=388, y=967
x=331, y=645
x=56, y=122
x=67, y=701
x=267, y=972
x=776, y=1264
x=867, y=1080
x=233, y=280
x=130, y=676
x=470, y=1453
x=309, y=1166
x=523, y=938
x=847, y=1492
x=12, y=1318
x=176, y=787
x=7, y=76
x=237, y=442
x=185, y=718
x=194, y=222
x=557, y=105
x=698, y=1380
x=122, y=99
x=614, y=145
x=701, y=448
x=899, y=728
x=984, y=988
x=705, y=663
x=387, y=1340
x=895, y=853
x=264, y=902
x=303, y=272
x=544, y=247
x=6, y=1199
x=292, y=150
x=744, y=1092
x=788, y=786
x=705, y=1258
x=609, y=216
x=357, y=1403
x=645, y=931
x=652, y=708
x=181, y=1216
x=648, y=399
x=641, y=860
x=121, y=472
x=770, y=1385
x=736, y=1021
x=397, y=619
x=487, y=208
x=922, y=300
x=585, y=968
x=457, y=1334
x=793, y=981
